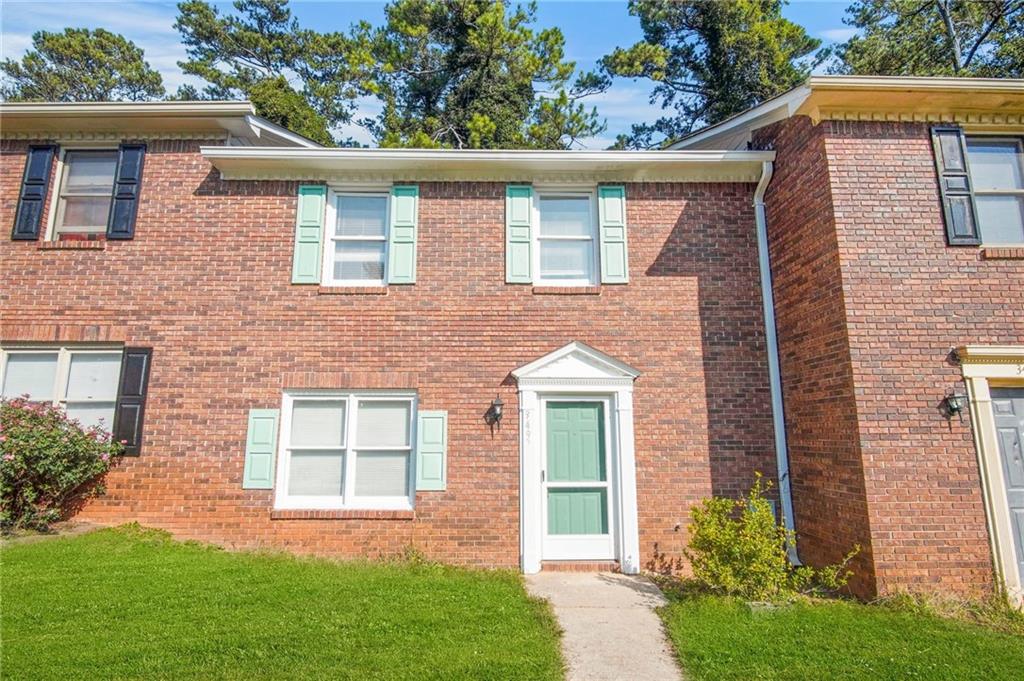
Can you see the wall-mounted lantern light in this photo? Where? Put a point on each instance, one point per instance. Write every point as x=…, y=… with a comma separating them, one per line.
x=955, y=403
x=496, y=411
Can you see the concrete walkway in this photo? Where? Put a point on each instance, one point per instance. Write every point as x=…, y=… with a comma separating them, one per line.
x=611, y=630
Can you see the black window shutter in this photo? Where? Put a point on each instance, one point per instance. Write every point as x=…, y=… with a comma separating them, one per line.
x=131, y=399
x=127, y=182
x=32, y=198
x=958, y=207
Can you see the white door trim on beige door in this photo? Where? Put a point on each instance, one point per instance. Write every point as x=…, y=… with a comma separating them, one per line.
x=986, y=367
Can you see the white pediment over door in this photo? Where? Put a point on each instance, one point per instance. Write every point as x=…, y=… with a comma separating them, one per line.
x=576, y=363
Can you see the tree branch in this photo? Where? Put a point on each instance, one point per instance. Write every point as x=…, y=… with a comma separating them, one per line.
x=1005, y=11
x=943, y=7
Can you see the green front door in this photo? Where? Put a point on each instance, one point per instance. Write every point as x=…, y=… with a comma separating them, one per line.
x=576, y=481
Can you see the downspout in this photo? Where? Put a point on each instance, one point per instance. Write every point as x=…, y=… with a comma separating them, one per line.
x=774, y=373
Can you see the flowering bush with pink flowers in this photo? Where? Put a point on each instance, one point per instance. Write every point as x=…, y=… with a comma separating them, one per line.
x=49, y=464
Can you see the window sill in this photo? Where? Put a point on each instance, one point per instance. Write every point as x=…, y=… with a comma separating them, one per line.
x=1002, y=252
x=352, y=290
x=567, y=290
x=343, y=514
x=76, y=245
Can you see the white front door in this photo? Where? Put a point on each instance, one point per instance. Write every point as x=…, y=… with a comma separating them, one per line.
x=576, y=490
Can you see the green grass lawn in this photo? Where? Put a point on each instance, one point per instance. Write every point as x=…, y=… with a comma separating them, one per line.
x=720, y=638
x=130, y=603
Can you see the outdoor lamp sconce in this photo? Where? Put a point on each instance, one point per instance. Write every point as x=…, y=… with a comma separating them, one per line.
x=494, y=414
x=955, y=404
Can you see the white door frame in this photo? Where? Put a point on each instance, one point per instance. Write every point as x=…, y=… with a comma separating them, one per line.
x=579, y=547
x=577, y=370
x=986, y=367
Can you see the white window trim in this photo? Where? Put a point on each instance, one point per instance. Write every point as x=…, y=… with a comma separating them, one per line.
x=330, y=225
x=996, y=137
x=63, y=371
x=595, y=265
x=64, y=148
x=348, y=499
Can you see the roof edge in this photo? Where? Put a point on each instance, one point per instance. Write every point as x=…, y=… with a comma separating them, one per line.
x=86, y=109
x=996, y=103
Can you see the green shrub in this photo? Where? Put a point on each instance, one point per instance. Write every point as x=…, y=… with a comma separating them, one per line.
x=49, y=464
x=737, y=548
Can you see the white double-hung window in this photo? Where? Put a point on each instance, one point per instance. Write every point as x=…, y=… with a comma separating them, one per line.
x=357, y=239
x=997, y=174
x=81, y=380
x=86, y=187
x=566, y=228
x=346, y=450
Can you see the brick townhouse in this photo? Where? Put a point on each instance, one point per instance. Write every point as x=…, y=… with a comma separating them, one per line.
x=535, y=359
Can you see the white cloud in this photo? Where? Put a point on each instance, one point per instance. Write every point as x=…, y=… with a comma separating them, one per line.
x=14, y=44
x=625, y=100
x=120, y=17
x=838, y=35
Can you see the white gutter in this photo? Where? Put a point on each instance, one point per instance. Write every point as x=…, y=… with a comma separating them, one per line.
x=276, y=163
x=136, y=109
x=774, y=372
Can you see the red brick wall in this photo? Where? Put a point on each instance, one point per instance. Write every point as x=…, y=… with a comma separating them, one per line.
x=910, y=298
x=206, y=283
x=907, y=298
x=826, y=470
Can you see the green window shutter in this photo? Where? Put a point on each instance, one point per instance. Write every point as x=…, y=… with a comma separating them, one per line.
x=611, y=208
x=431, y=450
x=309, y=227
x=260, y=446
x=402, y=235
x=518, y=234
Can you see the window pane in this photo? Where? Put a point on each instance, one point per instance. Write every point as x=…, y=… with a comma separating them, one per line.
x=1001, y=219
x=382, y=474
x=92, y=414
x=90, y=171
x=93, y=376
x=31, y=373
x=316, y=473
x=566, y=259
x=318, y=423
x=359, y=260
x=561, y=216
x=86, y=211
x=383, y=424
x=995, y=164
x=362, y=215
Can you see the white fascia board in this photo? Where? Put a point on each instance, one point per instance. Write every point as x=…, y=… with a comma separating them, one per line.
x=736, y=131
x=485, y=165
x=130, y=109
x=264, y=129
x=903, y=83
x=195, y=120
x=775, y=109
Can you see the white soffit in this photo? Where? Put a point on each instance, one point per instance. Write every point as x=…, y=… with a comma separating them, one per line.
x=386, y=165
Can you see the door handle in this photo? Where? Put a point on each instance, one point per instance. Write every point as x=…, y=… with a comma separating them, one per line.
x=543, y=476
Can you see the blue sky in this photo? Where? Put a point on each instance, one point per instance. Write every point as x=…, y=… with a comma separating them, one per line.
x=591, y=30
